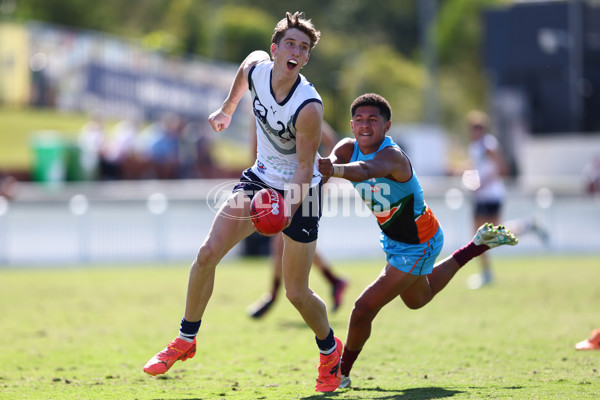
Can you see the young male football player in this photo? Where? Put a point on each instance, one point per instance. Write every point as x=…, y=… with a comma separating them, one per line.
x=411, y=236
x=289, y=114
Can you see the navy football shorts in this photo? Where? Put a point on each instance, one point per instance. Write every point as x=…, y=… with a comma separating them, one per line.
x=304, y=227
x=487, y=208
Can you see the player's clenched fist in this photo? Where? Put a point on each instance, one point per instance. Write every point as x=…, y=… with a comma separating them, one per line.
x=219, y=120
x=325, y=166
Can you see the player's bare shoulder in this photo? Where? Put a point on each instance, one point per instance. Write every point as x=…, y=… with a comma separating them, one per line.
x=401, y=167
x=346, y=146
x=342, y=152
x=311, y=110
x=310, y=118
x=254, y=58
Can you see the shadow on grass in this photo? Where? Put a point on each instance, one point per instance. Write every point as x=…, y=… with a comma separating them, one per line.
x=426, y=393
x=289, y=324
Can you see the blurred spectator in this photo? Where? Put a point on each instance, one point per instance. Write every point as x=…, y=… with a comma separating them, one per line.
x=592, y=176
x=8, y=186
x=144, y=140
x=164, y=152
x=119, y=151
x=91, y=141
x=142, y=149
x=156, y=148
x=196, y=151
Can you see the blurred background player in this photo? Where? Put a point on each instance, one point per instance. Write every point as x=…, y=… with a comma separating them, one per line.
x=591, y=172
x=338, y=285
x=485, y=179
x=8, y=186
x=411, y=235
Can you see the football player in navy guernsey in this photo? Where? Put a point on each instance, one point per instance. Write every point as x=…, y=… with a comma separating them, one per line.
x=411, y=236
x=289, y=115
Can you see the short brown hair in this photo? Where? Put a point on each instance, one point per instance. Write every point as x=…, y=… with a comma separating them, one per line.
x=372, y=99
x=296, y=21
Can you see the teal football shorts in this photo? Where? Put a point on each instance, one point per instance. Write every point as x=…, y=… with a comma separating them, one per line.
x=414, y=259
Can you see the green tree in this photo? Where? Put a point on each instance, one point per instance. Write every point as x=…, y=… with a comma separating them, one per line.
x=381, y=70
x=463, y=85
x=366, y=45
x=238, y=31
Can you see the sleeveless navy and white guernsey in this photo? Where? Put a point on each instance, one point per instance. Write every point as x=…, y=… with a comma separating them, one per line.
x=276, y=159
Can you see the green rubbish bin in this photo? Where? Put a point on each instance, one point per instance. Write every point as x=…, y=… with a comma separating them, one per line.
x=59, y=159
x=74, y=163
x=50, y=157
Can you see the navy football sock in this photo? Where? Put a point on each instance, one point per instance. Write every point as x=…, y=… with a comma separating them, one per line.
x=188, y=330
x=327, y=345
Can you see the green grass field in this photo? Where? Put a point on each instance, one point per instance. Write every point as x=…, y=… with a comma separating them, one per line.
x=85, y=333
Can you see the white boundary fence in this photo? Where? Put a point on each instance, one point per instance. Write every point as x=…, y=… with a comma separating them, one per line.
x=153, y=221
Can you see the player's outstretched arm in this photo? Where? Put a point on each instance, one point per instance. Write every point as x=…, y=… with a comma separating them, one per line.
x=388, y=162
x=221, y=118
x=341, y=154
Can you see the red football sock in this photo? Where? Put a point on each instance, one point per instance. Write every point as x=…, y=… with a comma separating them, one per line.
x=348, y=358
x=275, y=287
x=469, y=252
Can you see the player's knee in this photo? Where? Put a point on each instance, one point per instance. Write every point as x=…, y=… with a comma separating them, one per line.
x=414, y=304
x=295, y=296
x=414, y=301
x=363, y=311
x=206, y=257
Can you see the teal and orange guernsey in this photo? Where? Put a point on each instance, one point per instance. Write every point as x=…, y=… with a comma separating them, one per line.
x=399, y=207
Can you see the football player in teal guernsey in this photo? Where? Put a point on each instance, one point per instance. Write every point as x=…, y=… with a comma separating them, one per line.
x=411, y=236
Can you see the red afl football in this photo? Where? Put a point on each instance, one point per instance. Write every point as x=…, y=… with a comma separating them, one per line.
x=268, y=211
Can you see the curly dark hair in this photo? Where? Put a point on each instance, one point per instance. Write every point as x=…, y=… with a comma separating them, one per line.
x=372, y=99
x=297, y=21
